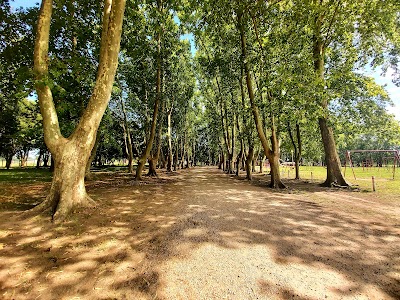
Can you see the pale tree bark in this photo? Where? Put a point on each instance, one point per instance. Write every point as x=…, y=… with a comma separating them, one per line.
x=334, y=173
x=153, y=158
x=182, y=162
x=127, y=133
x=227, y=136
x=176, y=156
x=271, y=154
x=71, y=154
x=169, y=136
x=249, y=159
x=88, y=173
x=149, y=146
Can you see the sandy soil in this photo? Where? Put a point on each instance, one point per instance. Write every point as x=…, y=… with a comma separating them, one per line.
x=202, y=234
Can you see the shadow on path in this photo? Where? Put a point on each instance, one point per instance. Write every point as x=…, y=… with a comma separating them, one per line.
x=202, y=230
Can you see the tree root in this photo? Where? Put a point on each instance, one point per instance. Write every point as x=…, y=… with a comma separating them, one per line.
x=329, y=184
x=279, y=185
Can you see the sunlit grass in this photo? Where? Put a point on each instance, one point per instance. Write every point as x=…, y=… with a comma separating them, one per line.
x=362, y=177
x=25, y=175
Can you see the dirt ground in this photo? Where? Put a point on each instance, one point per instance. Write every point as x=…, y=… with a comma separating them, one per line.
x=201, y=234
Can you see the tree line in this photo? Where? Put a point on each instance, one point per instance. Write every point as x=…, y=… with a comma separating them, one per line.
x=115, y=80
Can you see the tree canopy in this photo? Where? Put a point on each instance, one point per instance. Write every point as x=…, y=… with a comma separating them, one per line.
x=264, y=77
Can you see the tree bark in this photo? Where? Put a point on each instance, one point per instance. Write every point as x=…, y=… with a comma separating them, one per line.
x=8, y=161
x=88, y=173
x=271, y=154
x=334, y=174
x=128, y=138
x=39, y=159
x=182, y=162
x=23, y=157
x=46, y=157
x=71, y=154
x=175, y=162
x=149, y=145
x=249, y=159
x=153, y=159
x=297, y=148
x=169, y=135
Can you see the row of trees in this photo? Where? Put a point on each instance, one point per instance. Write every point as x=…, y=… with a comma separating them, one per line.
x=264, y=75
x=291, y=66
x=153, y=109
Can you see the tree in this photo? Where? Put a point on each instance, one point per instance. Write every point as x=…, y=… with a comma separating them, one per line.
x=344, y=35
x=72, y=153
x=15, y=83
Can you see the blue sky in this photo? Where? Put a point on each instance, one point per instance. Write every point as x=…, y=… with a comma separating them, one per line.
x=393, y=91
x=23, y=3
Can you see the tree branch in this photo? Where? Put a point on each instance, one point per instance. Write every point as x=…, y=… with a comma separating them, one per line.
x=51, y=127
x=329, y=32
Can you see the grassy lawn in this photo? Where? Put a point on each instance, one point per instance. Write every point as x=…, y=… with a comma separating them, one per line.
x=384, y=182
x=25, y=175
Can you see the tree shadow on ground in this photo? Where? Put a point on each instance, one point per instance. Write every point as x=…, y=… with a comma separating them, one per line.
x=128, y=247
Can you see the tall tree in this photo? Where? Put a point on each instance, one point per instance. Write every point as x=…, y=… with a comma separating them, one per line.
x=72, y=153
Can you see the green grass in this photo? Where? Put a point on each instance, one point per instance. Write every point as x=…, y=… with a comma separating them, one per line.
x=384, y=182
x=383, y=176
x=25, y=175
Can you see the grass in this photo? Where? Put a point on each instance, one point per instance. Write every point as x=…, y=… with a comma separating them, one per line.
x=25, y=175
x=384, y=182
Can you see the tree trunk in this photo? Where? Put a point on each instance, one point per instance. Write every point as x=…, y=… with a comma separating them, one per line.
x=187, y=159
x=249, y=159
x=334, y=173
x=149, y=145
x=169, y=134
x=127, y=135
x=299, y=152
x=176, y=157
x=39, y=159
x=275, y=176
x=71, y=154
x=88, y=173
x=46, y=157
x=8, y=161
x=153, y=159
x=152, y=167
x=182, y=153
x=333, y=170
x=24, y=158
x=163, y=162
x=68, y=187
x=297, y=148
x=220, y=163
x=271, y=154
x=193, y=161
x=52, y=163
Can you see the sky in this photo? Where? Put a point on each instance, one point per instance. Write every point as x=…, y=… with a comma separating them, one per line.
x=393, y=91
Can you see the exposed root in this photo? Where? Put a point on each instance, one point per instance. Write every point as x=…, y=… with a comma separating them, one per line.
x=90, y=202
x=277, y=185
x=43, y=207
x=152, y=174
x=330, y=184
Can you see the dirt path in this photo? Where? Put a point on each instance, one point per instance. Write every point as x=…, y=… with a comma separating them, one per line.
x=205, y=235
